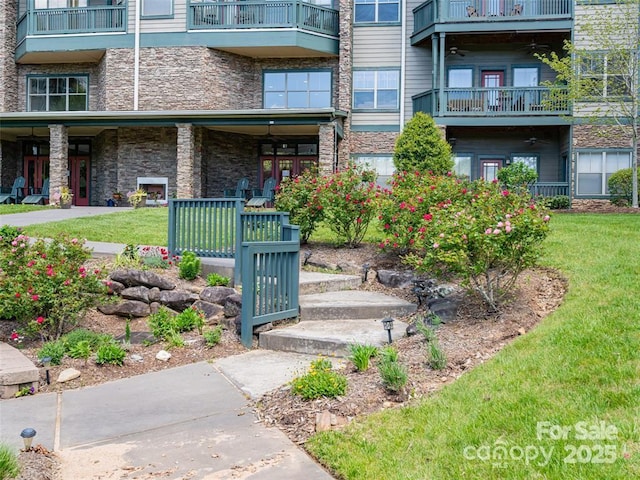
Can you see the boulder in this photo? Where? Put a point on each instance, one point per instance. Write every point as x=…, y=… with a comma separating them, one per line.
x=154, y=294
x=262, y=328
x=212, y=311
x=395, y=279
x=114, y=287
x=445, y=308
x=216, y=294
x=163, y=356
x=128, y=308
x=233, y=305
x=132, y=278
x=177, y=299
x=139, y=293
x=68, y=374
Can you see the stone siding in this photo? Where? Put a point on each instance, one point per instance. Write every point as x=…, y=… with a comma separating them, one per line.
x=8, y=68
x=58, y=158
x=373, y=142
x=8, y=164
x=226, y=159
x=597, y=136
x=104, y=167
x=345, y=77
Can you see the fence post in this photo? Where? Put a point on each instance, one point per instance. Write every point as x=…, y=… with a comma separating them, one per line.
x=172, y=228
x=239, y=208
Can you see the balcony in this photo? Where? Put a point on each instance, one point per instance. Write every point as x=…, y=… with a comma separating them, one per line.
x=263, y=14
x=493, y=102
x=489, y=15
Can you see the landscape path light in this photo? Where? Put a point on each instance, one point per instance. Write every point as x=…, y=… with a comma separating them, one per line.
x=387, y=323
x=27, y=437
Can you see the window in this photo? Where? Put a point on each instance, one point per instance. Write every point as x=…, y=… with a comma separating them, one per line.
x=595, y=168
x=605, y=74
x=376, y=89
x=530, y=161
x=157, y=8
x=462, y=164
x=377, y=11
x=297, y=89
x=382, y=164
x=57, y=94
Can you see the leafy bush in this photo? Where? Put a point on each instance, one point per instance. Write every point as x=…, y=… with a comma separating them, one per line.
x=9, y=465
x=8, y=233
x=188, y=320
x=110, y=353
x=44, y=285
x=189, y=266
x=621, y=187
x=94, y=339
x=557, y=202
x=320, y=381
x=517, y=176
x=361, y=354
x=54, y=349
x=82, y=349
x=161, y=323
x=477, y=230
x=215, y=280
x=299, y=197
x=388, y=354
x=421, y=147
x=154, y=257
x=349, y=201
x=213, y=336
x=393, y=374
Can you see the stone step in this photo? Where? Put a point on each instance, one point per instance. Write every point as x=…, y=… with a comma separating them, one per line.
x=16, y=372
x=329, y=337
x=315, y=282
x=352, y=304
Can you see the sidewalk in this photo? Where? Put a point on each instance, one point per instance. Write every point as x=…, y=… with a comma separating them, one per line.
x=190, y=422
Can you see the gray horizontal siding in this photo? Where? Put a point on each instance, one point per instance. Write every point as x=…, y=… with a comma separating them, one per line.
x=377, y=46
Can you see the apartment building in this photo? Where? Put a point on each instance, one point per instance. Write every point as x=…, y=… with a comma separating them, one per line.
x=184, y=97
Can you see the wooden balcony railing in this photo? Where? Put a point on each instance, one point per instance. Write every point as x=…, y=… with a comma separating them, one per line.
x=498, y=101
x=53, y=21
x=263, y=14
x=442, y=11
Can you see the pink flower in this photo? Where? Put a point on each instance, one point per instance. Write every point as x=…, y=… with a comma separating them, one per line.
x=427, y=216
x=40, y=320
x=507, y=228
x=35, y=298
x=487, y=231
x=497, y=231
x=500, y=225
x=546, y=218
x=17, y=295
x=441, y=235
x=14, y=336
x=505, y=193
x=436, y=245
x=74, y=240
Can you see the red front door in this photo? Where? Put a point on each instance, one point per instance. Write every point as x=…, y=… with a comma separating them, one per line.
x=36, y=169
x=79, y=171
x=489, y=169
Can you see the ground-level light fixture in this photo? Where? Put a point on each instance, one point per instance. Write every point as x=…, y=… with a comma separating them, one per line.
x=387, y=323
x=27, y=437
x=46, y=363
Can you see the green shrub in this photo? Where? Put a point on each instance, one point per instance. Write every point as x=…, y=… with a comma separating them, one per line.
x=9, y=465
x=437, y=357
x=54, y=349
x=517, y=176
x=393, y=374
x=621, y=187
x=161, y=323
x=361, y=354
x=110, y=353
x=189, y=266
x=299, y=196
x=189, y=319
x=175, y=340
x=320, y=381
x=388, y=354
x=94, y=339
x=82, y=349
x=213, y=336
x=421, y=147
x=45, y=286
x=216, y=280
x=9, y=233
x=557, y=202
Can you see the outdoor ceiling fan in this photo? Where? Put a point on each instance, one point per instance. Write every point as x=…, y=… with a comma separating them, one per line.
x=457, y=51
x=534, y=47
x=533, y=140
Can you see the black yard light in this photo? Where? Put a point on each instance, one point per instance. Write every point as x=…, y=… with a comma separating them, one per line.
x=387, y=323
x=46, y=363
x=27, y=437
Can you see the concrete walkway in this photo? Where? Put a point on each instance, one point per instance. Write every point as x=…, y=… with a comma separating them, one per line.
x=190, y=422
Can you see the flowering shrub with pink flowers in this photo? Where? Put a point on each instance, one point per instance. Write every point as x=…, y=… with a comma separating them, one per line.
x=478, y=231
x=45, y=287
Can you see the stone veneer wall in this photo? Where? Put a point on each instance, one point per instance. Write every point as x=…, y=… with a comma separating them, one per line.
x=58, y=157
x=116, y=79
x=8, y=68
x=8, y=163
x=345, y=76
x=104, y=167
x=226, y=159
x=373, y=142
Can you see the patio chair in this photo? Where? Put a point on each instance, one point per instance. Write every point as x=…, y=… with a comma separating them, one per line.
x=471, y=11
x=15, y=193
x=42, y=197
x=240, y=191
x=264, y=197
x=517, y=9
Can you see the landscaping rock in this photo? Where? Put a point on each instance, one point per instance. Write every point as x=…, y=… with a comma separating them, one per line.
x=445, y=308
x=323, y=421
x=262, y=328
x=128, y=308
x=115, y=287
x=132, y=278
x=68, y=374
x=177, y=299
x=163, y=356
x=216, y=294
x=411, y=330
x=233, y=305
x=212, y=312
x=154, y=295
x=395, y=279
x=139, y=293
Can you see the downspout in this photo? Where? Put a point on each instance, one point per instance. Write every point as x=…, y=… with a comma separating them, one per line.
x=403, y=63
x=136, y=56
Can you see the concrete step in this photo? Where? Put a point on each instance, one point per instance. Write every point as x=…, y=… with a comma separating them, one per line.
x=315, y=282
x=352, y=304
x=16, y=372
x=329, y=337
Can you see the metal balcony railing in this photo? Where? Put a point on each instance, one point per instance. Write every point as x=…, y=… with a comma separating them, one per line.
x=263, y=14
x=443, y=11
x=498, y=101
x=56, y=21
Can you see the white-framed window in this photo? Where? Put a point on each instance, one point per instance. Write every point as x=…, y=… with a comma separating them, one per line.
x=530, y=161
x=57, y=93
x=376, y=89
x=593, y=170
x=297, y=89
x=605, y=74
x=376, y=11
x=462, y=164
x=382, y=164
x=157, y=8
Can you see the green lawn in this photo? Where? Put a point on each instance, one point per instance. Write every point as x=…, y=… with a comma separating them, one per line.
x=582, y=364
x=9, y=208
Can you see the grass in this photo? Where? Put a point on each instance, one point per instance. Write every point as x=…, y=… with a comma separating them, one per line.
x=9, y=208
x=581, y=364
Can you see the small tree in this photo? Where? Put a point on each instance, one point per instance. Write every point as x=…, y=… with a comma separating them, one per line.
x=421, y=147
x=299, y=196
x=517, y=176
x=621, y=186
